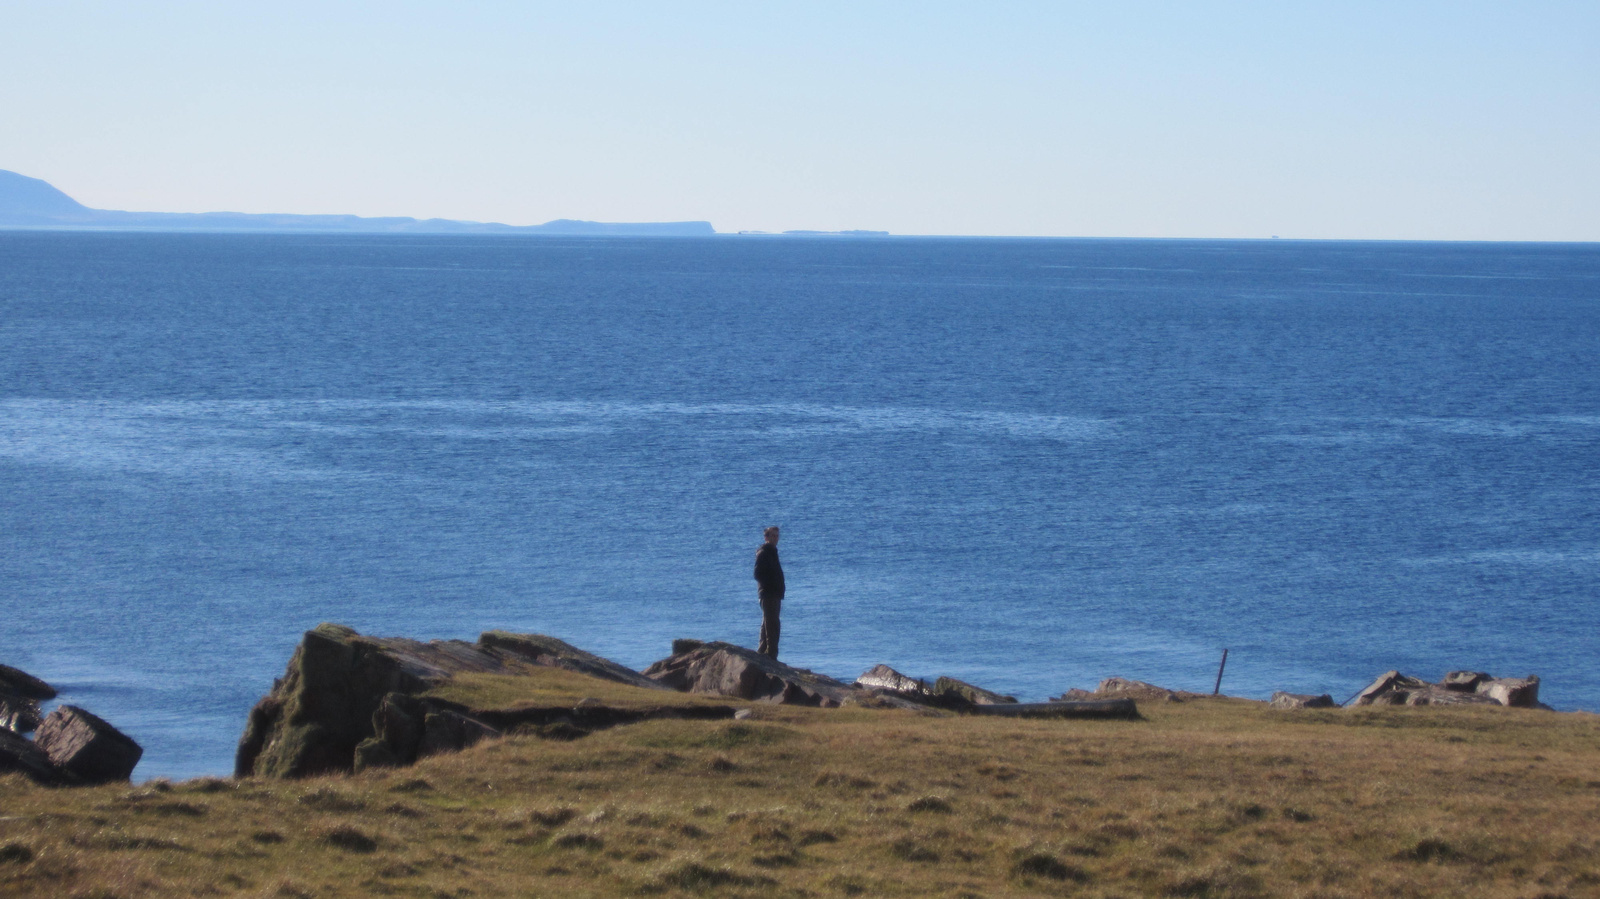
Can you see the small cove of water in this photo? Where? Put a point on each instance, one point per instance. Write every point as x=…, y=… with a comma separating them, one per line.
x=1029, y=464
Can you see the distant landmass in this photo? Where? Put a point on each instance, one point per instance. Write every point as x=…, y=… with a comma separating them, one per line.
x=31, y=203
x=853, y=233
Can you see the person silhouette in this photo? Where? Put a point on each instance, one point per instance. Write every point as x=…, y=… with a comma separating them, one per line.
x=769, y=581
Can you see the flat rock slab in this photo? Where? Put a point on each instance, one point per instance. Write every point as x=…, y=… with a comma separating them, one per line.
x=86, y=747
x=961, y=691
x=1101, y=708
x=722, y=669
x=537, y=649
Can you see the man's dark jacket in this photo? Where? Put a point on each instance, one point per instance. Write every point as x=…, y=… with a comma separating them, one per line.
x=769, y=574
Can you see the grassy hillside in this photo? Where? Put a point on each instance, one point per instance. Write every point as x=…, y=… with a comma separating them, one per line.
x=1206, y=798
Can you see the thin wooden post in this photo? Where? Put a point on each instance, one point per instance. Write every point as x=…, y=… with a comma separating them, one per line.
x=1218, y=688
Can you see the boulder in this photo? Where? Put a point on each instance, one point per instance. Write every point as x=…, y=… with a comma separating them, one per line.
x=399, y=722
x=21, y=683
x=86, y=747
x=18, y=714
x=1519, y=692
x=1282, y=700
x=882, y=677
x=1391, y=688
x=683, y=645
x=448, y=731
x=19, y=755
x=723, y=669
x=963, y=692
x=341, y=689
x=375, y=753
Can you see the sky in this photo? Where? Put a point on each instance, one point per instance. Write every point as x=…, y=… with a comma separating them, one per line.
x=1420, y=120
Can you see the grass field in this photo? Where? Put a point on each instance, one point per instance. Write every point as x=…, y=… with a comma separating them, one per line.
x=1204, y=798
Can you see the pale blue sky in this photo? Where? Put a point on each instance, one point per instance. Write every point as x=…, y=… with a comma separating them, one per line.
x=1455, y=120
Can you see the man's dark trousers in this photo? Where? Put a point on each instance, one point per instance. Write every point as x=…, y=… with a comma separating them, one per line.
x=771, y=605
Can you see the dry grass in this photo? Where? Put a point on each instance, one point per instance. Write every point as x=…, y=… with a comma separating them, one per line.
x=1211, y=798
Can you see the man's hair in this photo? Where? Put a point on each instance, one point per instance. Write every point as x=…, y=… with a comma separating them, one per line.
x=768, y=529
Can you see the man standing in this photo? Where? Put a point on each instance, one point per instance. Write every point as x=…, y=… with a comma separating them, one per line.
x=769, y=580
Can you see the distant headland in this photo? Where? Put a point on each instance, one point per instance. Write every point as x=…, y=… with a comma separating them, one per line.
x=34, y=204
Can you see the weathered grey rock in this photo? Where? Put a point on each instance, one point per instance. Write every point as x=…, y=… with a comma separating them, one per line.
x=1464, y=681
x=1457, y=688
x=961, y=691
x=882, y=677
x=722, y=669
x=1121, y=687
x=21, y=683
x=19, y=755
x=447, y=731
x=1282, y=700
x=337, y=682
x=86, y=747
x=18, y=714
x=1519, y=692
x=1391, y=688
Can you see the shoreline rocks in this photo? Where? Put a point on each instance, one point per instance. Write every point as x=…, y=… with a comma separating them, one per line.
x=723, y=669
x=1123, y=688
x=347, y=702
x=87, y=748
x=72, y=746
x=1282, y=700
x=1457, y=688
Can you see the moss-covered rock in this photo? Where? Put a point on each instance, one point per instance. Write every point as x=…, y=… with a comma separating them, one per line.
x=348, y=701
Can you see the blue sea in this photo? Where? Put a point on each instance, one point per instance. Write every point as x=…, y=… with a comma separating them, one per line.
x=1030, y=464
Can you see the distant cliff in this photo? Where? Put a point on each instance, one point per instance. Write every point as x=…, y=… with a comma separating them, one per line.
x=31, y=203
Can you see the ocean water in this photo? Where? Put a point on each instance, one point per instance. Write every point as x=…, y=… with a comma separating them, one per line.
x=1031, y=464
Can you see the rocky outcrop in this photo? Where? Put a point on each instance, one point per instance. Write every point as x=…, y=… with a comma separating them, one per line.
x=961, y=691
x=1123, y=688
x=1282, y=700
x=88, y=749
x=722, y=669
x=882, y=677
x=348, y=702
x=1457, y=688
x=882, y=682
x=72, y=746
